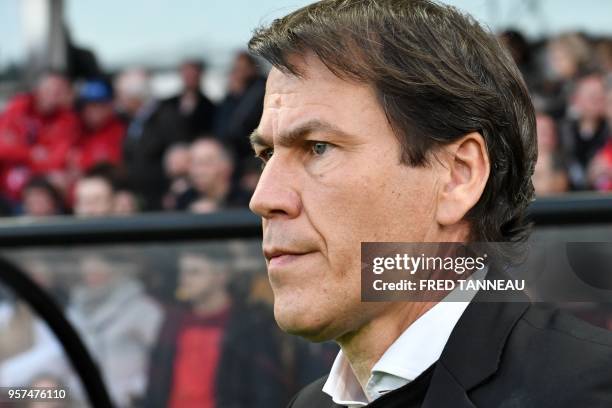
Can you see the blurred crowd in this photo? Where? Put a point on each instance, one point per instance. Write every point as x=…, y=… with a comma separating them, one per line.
x=189, y=326
x=105, y=145
x=570, y=81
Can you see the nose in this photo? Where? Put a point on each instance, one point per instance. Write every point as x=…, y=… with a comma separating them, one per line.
x=277, y=192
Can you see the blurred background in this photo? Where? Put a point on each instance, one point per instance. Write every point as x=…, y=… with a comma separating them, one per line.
x=125, y=174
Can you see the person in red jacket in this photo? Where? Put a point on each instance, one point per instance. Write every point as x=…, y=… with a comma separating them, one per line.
x=36, y=132
x=102, y=131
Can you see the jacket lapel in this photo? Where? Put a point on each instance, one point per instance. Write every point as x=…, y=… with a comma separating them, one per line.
x=445, y=391
x=473, y=351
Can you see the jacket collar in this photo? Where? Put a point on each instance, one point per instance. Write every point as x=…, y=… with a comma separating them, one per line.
x=474, y=349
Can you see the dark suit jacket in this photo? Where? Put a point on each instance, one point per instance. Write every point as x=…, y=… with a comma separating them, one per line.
x=512, y=355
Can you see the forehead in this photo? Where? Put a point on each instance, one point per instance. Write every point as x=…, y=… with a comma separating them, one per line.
x=317, y=94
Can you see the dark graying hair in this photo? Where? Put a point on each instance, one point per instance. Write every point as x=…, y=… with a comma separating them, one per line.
x=438, y=76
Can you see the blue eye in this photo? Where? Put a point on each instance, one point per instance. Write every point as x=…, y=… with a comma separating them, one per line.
x=265, y=155
x=318, y=148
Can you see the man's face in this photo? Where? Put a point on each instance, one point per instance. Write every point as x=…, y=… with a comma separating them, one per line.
x=590, y=98
x=53, y=93
x=38, y=202
x=334, y=180
x=207, y=166
x=93, y=197
x=96, y=114
x=191, y=74
x=199, y=278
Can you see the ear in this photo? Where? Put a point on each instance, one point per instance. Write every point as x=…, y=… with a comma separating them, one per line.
x=466, y=171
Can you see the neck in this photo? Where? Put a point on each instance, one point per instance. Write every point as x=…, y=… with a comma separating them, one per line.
x=364, y=347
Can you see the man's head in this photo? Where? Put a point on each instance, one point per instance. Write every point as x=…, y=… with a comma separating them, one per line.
x=210, y=166
x=133, y=90
x=244, y=70
x=385, y=120
x=40, y=198
x=568, y=55
x=53, y=92
x=589, y=98
x=202, y=274
x=547, y=133
x=94, y=194
x=96, y=104
x=176, y=161
x=191, y=74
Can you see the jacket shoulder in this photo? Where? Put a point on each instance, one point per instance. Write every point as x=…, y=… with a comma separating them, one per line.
x=555, y=359
x=565, y=329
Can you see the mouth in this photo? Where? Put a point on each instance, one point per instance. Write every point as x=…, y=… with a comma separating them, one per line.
x=280, y=257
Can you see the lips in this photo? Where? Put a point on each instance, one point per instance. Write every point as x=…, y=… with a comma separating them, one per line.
x=279, y=257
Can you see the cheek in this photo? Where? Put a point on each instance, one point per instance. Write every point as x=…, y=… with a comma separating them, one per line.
x=383, y=204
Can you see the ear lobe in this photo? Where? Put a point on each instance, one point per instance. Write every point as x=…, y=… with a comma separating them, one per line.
x=467, y=171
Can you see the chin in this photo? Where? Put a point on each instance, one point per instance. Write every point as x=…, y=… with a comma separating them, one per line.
x=303, y=321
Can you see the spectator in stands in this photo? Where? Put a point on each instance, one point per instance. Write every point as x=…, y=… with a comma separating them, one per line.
x=150, y=132
x=102, y=131
x=36, y=132
x=94, y=194
x=238, y=114
x=585, y=132
x=603, y=54
x=600, y=169
x=41, y=198
x=125, y=202
x=186, y=357
x=176, y=167
x=193, y=108
x=210, y=174
x=569, y=56
x=550, y=175
x=117, y=320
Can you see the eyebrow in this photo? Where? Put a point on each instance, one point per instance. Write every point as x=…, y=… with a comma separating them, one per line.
x=297, y=134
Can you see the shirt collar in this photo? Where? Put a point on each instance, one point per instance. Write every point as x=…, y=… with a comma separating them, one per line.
x=417, y=348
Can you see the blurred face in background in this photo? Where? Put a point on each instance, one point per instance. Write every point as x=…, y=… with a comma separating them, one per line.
x=93, y=197
x=589, y=99
x=243, y=71
x=561, y=61
x=210, y=167
x=96, y=114
x=52, y=94
x=191, y=75
x=38, y=202
x=609, y=105
x=176, y=162
x=547, y=134
x=132, y=90
x=125, y=203
x=199, y=278
x=96, y=272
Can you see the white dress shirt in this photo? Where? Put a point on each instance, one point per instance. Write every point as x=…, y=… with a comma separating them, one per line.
x=417, y=348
